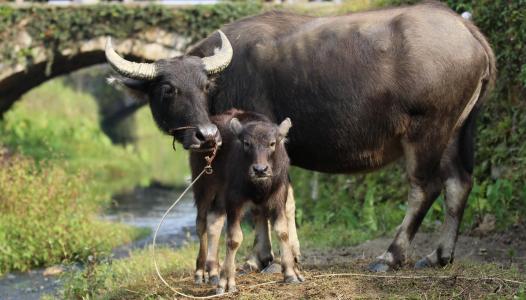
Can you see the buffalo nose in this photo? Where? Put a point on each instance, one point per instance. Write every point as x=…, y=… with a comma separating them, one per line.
x=207, y=133
x=260, y=169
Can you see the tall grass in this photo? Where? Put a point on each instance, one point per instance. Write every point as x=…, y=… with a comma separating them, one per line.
x=48, y=215
x=60, y=173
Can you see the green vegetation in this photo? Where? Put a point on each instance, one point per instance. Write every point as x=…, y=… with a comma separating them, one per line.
x=63, y=174
x=49, y=216
x=120, y=279
x=58, y=28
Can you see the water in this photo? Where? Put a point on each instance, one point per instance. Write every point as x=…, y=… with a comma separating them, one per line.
x=143, y=207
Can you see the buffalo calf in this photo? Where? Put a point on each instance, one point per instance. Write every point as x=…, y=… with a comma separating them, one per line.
x=250, y=170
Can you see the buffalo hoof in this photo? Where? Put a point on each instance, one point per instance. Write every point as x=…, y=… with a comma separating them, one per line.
x=249, y=267
x=198, y=279
x=423, y=263
x=273, y=268
x=213, y=280
x=379, y=267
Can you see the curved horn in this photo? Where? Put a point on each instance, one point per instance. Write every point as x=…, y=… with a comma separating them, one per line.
x=141, y=71
x=222, y=57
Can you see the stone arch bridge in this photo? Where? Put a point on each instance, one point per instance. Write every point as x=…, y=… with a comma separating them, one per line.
x=39, y=42
x=16, y=79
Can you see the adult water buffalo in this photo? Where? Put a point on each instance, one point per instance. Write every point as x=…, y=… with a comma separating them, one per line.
x=363, y=90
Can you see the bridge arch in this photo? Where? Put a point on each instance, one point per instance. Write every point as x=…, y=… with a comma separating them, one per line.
x=17, y=79
x=40, y=42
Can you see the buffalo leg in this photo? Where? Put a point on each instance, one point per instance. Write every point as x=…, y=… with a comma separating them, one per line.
x=425, y=185
x=457, y=182
x=233, y=241
x=262, y=253
x=215, y=223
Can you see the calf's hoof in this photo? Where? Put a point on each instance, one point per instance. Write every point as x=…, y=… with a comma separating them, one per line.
x=221, y=290
x=199, y=278
x=293, y=279
x=379, y=267
x=423, y=263
x=214, y=280
x=273, y=268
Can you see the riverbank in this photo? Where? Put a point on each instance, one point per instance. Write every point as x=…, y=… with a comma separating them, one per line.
x=140, y=209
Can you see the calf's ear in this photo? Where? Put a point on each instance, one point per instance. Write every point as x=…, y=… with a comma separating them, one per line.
x=235, y=126
x=137, y=89
x=284, y=127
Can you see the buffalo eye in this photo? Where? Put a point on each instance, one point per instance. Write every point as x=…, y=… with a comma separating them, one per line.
x=207, y=86
x=169, y=90
x=246, y=144
x=272, y=144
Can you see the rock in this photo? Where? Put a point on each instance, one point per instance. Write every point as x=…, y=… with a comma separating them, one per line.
x=53, y=271
x=486, y=226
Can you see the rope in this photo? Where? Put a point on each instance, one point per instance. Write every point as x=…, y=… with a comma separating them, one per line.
x=155, y=238
x=419, y=277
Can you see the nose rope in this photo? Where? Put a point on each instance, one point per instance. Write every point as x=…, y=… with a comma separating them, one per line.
x=174, y=130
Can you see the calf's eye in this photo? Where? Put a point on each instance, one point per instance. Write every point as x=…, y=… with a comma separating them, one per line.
x=272, y=144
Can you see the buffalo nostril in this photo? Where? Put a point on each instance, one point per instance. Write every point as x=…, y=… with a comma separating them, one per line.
x=260, y=169
x=199, y=135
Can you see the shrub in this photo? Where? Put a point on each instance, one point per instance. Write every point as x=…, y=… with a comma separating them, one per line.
x=49, y=215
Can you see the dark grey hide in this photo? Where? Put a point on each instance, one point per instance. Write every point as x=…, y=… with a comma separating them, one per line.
x=363, y=90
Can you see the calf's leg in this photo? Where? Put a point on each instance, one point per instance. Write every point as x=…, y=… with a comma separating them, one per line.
x=262, y=254
x=290, y=272
x=291, y=222
x=215, y=221
x=204, y=196
x=233, y=241
x=201, y=257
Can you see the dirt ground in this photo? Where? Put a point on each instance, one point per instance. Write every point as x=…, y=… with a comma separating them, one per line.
x=480, y=266
x=506, y=249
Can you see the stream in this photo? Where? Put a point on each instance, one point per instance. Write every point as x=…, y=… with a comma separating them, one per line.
x=143, y=207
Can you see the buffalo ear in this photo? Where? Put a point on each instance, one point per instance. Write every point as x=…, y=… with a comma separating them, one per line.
x=284, y=127
x=137, y=89
x=235, y=126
